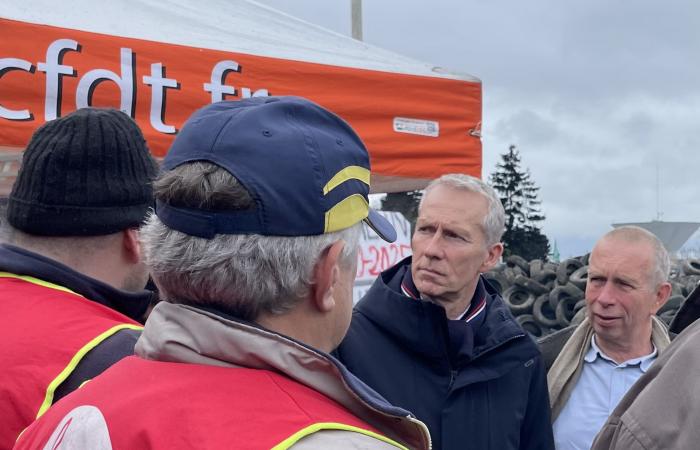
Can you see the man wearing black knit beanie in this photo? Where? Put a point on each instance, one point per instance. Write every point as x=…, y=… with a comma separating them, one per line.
x=71, y=273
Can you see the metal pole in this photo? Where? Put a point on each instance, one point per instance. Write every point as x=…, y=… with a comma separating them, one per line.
x=357, y=19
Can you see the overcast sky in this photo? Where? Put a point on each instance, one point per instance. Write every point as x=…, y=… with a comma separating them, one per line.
x=595, y=94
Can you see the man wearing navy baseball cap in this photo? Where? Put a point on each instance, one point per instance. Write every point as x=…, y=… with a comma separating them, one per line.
x=253, y=246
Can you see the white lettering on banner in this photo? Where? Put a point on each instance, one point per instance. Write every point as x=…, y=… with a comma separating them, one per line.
x=376, y=255
x=159, y=84
x=89, y=82
x=246, y=93
x=55, y=70
x=218, y=76
x=7, y=64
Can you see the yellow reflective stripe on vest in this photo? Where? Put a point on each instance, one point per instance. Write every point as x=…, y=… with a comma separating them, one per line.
x=311, y=429
x=65, y=373
x=37, y=281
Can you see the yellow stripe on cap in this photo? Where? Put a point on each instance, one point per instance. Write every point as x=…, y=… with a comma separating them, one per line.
x=348, y=173
x=346, y=213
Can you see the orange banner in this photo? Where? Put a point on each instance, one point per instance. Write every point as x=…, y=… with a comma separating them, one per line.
x=414, y=126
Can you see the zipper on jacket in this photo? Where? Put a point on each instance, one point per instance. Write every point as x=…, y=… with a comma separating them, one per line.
x=500, y=344
x=453, y=377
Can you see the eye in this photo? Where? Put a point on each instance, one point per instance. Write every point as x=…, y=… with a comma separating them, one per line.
x=453, y=236
x=596, y=280
x=425, y=229
x=625, y=285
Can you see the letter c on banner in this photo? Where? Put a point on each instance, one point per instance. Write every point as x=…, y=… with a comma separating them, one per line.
x=7, y=64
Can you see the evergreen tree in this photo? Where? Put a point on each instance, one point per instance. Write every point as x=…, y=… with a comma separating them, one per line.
x=519, y=196
x=405, y=203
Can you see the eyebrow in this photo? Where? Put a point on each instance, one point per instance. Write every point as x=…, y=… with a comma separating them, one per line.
x=446, y=227
x=615, y=279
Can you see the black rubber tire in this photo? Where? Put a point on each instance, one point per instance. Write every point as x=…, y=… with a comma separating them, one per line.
x=676, y=288
x=543, y=313
x=512, y=272
x=585, y=258
x=569, y=290
x=566, y=310
x=519, y=300
x=530, y=325
x=685, y=291
x=667, y=316
x=530, y=285
x=498, y=281
x=672, y=304
x=579, y=277
x=536, y=266
x=579, y=305
x=550, y=266
x=545, y=276
x=566, y=268
x=691, y=267
x=518, y=261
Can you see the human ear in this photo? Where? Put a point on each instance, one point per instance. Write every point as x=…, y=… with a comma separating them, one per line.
x=131, y=246
x=663, y=292
x=326, y=276
x=494, y=254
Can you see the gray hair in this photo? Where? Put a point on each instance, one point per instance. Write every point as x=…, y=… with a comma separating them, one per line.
x=243, y=275
x=495, y=220
x=661, y=262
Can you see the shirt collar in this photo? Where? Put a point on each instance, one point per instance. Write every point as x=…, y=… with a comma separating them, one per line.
x=644, y=362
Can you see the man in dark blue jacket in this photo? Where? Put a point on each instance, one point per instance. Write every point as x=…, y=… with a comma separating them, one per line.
x=432, y=336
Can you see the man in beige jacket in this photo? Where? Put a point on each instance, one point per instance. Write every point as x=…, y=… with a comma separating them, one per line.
x=661, y=410
x=619, y=339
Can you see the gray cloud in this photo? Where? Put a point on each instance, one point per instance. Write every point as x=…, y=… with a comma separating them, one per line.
x=595, y=94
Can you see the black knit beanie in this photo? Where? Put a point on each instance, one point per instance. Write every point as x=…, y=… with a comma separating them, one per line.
x=86, y=174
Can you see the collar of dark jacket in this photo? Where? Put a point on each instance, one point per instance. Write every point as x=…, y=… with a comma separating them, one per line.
x=422, y=326
x=19, y=261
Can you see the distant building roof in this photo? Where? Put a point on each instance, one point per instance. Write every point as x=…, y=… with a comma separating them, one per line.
x=672, y=234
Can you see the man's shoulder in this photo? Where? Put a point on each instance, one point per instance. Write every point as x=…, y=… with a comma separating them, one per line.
x=328, y=438
x=500, y=324
x=105, y=354
x=552, y=344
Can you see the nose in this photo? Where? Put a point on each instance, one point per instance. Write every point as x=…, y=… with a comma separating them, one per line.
x=605, y=295
x=433, y=249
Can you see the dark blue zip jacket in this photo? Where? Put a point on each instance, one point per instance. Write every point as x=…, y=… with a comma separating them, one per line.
x=489, y=394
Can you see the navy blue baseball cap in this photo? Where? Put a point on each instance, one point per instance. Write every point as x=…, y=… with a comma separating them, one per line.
x=306, y=169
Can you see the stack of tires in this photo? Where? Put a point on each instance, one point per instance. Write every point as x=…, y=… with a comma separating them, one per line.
x=545, y=296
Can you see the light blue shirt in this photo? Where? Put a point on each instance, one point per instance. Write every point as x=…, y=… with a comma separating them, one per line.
x=599, y=389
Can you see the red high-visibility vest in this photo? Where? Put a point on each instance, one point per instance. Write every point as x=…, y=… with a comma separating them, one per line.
x=45, y=331
x=139, y=404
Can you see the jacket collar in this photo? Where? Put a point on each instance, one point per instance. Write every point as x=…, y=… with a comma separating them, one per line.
x=422, y=326
x=19, y=261
x=566, y=369
x=186, y=334
x=474, y=314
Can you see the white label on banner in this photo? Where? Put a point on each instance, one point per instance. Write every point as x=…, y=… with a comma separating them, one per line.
x=416, y=126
